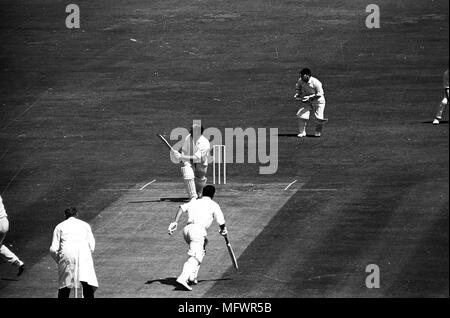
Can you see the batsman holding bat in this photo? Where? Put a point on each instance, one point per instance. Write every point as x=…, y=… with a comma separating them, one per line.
x=310, y=92
x=201, y=214
x=194, y=155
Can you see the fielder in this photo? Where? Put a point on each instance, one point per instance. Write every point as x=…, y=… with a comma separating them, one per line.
x=444, y=103
x=201, y=214
x=194, y=155
x=5, y=252
x=310, y=92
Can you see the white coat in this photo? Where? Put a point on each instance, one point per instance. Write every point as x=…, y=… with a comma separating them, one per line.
x=72, y=247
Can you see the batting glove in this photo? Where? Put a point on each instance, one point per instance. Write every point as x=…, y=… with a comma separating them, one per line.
x=177, y=154
x=224, y=231
x=172, y=227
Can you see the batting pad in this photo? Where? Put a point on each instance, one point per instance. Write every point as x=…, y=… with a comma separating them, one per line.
x=190, y=188
x=188, y=172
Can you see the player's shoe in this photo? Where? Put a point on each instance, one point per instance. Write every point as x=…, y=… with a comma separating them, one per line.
x=184, y=284
x=436, y=121
x=301, y=135
x=317, y=134
x=20, y=267
x=192, y=281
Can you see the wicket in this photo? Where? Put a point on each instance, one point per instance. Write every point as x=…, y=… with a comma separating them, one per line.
x=219, y=157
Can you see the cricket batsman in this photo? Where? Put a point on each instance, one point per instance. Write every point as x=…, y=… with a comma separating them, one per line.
x=194, y=155
x=444, y=103
x=201, y=214
x=310, y=92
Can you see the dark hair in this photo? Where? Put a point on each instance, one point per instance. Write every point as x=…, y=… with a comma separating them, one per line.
x=69, y=212
x=208, y=191
x=191, y=131
x=305, y=71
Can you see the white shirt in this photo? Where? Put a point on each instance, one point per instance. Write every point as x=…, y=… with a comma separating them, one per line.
x=312, y=87
x=2, y=209
x=203, y=211
x=199, y=150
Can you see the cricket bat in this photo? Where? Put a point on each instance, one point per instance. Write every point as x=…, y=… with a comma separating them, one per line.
x=165, y=141
x=231, y=252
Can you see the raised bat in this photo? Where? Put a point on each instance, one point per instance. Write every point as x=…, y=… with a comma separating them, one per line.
x=165, y=142
x=231, y=252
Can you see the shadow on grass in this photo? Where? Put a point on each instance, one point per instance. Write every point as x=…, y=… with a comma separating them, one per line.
x=10, y=279
x=442, y=122
x=163, y=200
x=172, y=281
x=295, y=135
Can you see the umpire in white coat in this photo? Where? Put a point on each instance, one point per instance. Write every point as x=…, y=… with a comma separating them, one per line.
x=72, y=247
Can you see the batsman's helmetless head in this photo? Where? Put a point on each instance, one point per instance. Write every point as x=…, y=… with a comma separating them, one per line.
x=209, y=191
x=196, y=131
x=305, y=74
x=69, y=212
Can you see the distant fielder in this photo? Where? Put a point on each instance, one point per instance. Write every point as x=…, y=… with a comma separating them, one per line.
x=444, y=103
x=310, y=92
x=201, y=214
x=194, y=155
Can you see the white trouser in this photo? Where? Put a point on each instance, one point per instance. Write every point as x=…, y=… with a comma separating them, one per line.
x=195, y=236
x=441, y=108
x=5, y=253
x=303, y=114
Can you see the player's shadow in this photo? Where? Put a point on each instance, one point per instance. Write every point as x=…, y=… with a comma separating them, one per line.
x=172, y=281
x=295, y=135
x=163, y=200
x=287, y=135
x=442, y=122
x=10, y=279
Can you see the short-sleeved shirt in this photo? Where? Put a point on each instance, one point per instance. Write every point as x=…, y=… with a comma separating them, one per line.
x=200, y=149
x=203, y=211
x=446, y=79
x=2, y=209
x=313, y=86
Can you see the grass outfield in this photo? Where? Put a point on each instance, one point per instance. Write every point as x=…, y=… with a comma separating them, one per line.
x=79, y=110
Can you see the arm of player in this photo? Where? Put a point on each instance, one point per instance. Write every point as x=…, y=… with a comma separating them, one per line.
x=319, y=91
x=173, y=226
x=54, y=248
x=298, y=91
x=218, y=215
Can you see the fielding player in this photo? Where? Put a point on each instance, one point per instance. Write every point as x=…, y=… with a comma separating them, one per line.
x=201, y=214
x=444, y=103
x=72, y=247
x=194, y=155
x=310, y=92
x=5, y=253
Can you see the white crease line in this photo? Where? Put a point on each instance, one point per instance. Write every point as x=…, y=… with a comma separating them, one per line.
x=146, y=185
x=290, y=185
x=4, y=154
x=317, y=189
x=15, y=176
x=26, y=111
x=118, y=189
